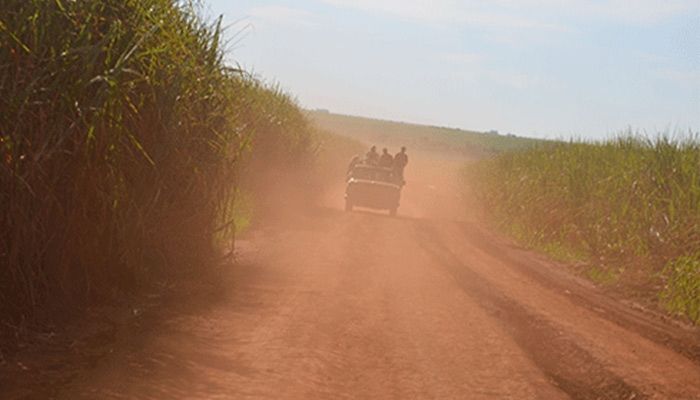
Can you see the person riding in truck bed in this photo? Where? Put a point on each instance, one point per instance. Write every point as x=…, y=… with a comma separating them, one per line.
x=400, y=162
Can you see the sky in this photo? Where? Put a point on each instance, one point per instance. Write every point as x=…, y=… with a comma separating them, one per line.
x=540, y=68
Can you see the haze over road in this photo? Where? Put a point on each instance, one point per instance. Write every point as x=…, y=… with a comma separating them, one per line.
x=333, y=305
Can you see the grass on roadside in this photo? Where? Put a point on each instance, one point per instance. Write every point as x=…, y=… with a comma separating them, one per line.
x=123, y=135
x=629, y=208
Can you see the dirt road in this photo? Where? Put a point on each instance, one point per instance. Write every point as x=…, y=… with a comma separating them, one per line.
x=335, y=305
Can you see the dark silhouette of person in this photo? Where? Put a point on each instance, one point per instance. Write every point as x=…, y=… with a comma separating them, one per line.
x=355, y=160
x=372, y=157
x=400, y=162
x=386, y=160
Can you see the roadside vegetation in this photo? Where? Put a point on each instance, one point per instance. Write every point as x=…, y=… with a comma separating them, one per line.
x=627, y=210
x=125, y=142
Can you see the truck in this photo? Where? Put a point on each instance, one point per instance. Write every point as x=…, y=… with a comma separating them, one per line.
x=373, y=187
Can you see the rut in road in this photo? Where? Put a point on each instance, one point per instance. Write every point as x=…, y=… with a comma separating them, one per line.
x=656, y=330
x=570, y=367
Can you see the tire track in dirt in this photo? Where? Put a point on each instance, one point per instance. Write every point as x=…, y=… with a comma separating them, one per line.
x=568, y=365
x=620, y=314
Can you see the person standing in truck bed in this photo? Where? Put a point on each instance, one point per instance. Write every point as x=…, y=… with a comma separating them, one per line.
x=400, y=162
x=386, y=160
x=372, y=157
x=355, y=160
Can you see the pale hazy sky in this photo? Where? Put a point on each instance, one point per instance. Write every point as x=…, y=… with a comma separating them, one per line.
x=544, y=68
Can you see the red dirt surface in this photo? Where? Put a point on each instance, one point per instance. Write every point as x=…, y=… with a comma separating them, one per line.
x=429, y=305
